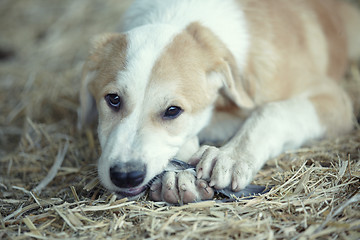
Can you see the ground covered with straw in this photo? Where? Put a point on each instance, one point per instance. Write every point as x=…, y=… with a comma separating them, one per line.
x=48, y=180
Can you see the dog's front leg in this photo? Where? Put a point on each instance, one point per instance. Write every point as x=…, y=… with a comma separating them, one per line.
x=270, y=130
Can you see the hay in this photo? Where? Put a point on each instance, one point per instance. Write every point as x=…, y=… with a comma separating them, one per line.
x=42, y=48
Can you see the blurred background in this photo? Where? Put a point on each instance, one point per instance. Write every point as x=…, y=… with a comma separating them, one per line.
x=43, y=45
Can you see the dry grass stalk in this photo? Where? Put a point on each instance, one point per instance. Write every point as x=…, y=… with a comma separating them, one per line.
x=53, y=170
x=316, y=188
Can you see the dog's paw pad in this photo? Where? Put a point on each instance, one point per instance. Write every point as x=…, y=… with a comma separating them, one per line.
x=188, y=197
x=170, y=196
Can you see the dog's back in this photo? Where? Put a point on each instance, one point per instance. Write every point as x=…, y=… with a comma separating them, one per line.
x=318, y=41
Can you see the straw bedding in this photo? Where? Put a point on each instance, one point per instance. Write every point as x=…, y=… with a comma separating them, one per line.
x=48, y=180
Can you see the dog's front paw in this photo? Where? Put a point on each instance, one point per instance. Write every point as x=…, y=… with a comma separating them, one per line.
x=180, y=187
x=223, y=168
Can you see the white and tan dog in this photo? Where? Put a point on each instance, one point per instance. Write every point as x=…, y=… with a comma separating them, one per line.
x=252, y=77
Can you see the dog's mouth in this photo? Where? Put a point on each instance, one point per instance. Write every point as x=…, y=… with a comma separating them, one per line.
x=132, y=192
x=135, y=192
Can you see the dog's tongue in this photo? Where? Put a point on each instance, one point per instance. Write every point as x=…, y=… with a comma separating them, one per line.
x=131, y=192
x=249, y=191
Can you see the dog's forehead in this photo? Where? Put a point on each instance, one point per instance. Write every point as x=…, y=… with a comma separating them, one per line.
x=144, y=46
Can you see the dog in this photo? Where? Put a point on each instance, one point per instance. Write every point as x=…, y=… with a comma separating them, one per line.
x=221, y=84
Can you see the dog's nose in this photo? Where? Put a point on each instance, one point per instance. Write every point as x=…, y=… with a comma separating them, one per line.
x=127, y=175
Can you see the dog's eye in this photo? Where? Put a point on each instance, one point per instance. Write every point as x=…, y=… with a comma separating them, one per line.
x=172, y=112
x=114, y=101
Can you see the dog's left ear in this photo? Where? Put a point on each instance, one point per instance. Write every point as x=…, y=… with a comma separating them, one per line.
x=233, y=87
x=87, y=111
x=222, y=66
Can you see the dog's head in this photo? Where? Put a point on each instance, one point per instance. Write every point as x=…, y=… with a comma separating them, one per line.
x=154, y=89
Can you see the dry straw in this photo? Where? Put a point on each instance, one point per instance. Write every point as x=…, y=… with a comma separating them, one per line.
x=48, y=182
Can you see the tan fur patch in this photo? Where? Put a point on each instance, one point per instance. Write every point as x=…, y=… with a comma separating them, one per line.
x=334, y=110
x=185, y=63
x=330, y=20
x=107, y=60
x=107, y=57
x=192, y=56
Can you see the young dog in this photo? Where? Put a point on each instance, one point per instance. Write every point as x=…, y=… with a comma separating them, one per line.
x=246, y=79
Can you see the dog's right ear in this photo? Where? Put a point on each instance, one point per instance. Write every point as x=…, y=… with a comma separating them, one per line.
x=87, y=111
